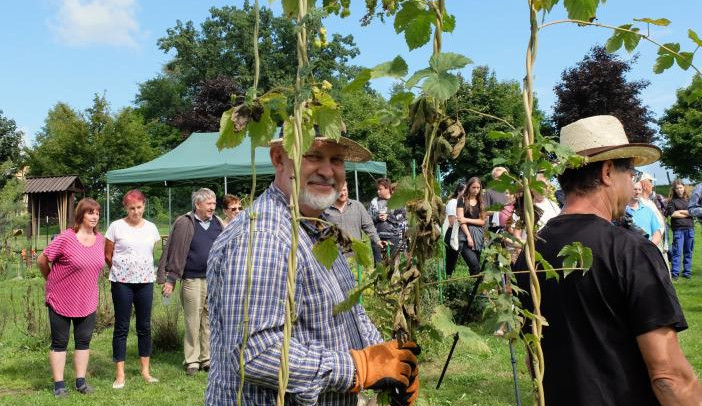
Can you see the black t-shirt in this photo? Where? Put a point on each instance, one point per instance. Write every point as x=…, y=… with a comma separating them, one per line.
x=590, y=348
x=678, y=203
x=471, y=212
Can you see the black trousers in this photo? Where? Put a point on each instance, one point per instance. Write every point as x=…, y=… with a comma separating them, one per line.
x=471, y=257
x=124, y=295
x=61, y=327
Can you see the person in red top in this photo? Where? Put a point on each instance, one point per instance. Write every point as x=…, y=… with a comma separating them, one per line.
x=71, y=265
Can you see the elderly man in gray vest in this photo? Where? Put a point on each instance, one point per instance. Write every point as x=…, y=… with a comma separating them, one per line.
x=185, y=258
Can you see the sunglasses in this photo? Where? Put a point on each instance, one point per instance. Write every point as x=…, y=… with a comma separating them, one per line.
x=234, y=209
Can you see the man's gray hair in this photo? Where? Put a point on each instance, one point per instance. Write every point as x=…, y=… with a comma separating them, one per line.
x=202, y=195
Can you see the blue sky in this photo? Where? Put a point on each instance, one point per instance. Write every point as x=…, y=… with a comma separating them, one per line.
x=68, y=50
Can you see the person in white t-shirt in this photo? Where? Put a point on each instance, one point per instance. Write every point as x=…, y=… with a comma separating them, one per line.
x=451, y=253
x=549, y=208
x=129, y=248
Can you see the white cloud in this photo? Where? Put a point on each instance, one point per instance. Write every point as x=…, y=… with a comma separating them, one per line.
x=93, y=22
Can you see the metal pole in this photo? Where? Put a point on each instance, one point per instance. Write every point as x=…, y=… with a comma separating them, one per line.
x=170, y=222
x=225, y=185
x=448, y=359
x=512, y=356
x=107, y=203
x=355, y=177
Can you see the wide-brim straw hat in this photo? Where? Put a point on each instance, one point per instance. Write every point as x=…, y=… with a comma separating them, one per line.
x=355, y=152
x=600, y=138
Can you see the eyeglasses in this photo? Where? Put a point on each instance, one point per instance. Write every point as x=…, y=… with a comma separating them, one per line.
x=234, y=209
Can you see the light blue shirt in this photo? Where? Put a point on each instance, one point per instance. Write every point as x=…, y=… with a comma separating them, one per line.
x=204, y=223
x=645, y=218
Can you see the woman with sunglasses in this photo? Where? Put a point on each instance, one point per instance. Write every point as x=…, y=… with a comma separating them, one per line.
x=232, y=207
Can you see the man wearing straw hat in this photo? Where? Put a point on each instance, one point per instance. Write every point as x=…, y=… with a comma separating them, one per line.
x=611, y=337
x=332, y=356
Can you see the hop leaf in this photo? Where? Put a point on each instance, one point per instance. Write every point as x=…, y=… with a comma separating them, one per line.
x=666, y=58
x=694, y=37
x=228, y=137
x=583, y=10
x=576, y=255
x=326, y=252
x=661, y=22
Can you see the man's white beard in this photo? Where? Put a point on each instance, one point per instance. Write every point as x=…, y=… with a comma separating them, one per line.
x=317, y=202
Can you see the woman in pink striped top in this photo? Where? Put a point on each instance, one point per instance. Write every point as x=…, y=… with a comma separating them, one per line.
x=71, y=265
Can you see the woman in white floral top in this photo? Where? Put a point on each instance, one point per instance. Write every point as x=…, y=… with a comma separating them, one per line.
x=129, y=247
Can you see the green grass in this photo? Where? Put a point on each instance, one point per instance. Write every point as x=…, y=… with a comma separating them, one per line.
x=481, y=379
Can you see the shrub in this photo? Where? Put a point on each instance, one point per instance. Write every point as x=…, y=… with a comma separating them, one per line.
x=165, y=326
x=33, y=321
x=105, y=316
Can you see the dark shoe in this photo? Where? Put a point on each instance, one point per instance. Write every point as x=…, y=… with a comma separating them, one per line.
x=61, y=393
x=191, y=371
x=674, y=278
x=687, y=276
x=205, y=368
x=86, y=389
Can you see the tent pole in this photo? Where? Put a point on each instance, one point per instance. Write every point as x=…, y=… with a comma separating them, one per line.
x=169, y=209
x=355, y=177
x=225, y=185
x=107, y=203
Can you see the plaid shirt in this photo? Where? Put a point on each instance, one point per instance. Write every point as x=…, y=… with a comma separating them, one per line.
x=321, y=367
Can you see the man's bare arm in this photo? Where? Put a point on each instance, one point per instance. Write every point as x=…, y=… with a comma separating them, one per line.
x=672, y=378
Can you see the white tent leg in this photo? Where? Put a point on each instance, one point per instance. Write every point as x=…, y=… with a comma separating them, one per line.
x=355, y=177
x=170, y=222
x=225, y=185
x=107, y=203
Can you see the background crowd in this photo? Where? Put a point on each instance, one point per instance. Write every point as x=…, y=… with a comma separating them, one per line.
x=73, y=261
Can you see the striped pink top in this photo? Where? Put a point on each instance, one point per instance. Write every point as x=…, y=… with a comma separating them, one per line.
x=72, y=285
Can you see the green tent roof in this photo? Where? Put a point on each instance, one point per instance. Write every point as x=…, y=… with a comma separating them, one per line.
x=198, y=157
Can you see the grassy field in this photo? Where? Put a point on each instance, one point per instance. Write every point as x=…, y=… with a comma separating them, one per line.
x=480, y=378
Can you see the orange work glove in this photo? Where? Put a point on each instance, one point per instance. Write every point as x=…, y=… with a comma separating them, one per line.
x=384, y=366
x=409, y=395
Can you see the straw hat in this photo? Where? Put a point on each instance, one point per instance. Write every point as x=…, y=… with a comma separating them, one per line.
x=600, y=138
x=355, y=152
x=647, y=176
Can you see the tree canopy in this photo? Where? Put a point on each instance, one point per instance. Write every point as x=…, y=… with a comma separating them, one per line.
x=89, y=143
x=11, y=140
x=681, y=125
x=597, y=86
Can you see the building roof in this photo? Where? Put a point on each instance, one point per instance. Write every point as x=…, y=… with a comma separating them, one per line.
x=49, y=184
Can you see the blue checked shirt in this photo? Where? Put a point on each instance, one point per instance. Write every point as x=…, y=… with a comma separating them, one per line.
x=321, y=367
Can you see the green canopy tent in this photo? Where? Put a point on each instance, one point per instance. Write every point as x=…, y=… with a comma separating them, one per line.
x=198, y=158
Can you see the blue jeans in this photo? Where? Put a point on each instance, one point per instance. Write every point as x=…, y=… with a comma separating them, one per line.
x=683, y=244
x=124, y=296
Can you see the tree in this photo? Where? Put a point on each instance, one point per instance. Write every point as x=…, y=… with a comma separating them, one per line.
x=597, y=86
x=220, y=53
x=11, y=140
x=386, y=142
x=90, y=143
x=222, y=46
x=681, y=125
x=12, y=207
x=213, y=97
